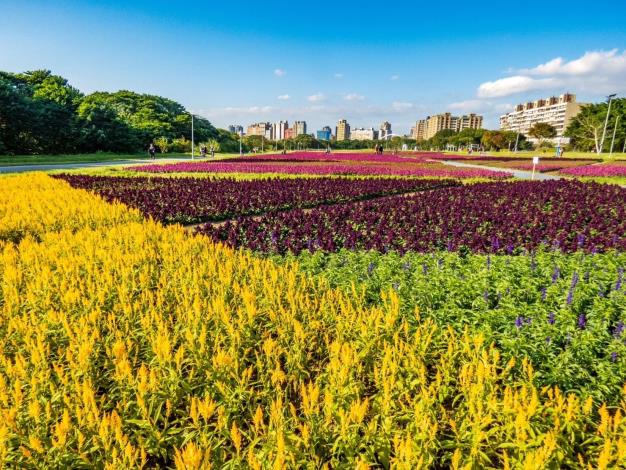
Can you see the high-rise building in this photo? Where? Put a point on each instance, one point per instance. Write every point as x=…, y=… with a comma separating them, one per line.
x=469, y=121
x=343, y=130
x=325, y=134
x=557, y=111
x=235, y=129
x=299, y=127
x=290, y=133
x=363, y=134
x=385, y=131
x=261, y=128
x=279, y=129
x=426, y=128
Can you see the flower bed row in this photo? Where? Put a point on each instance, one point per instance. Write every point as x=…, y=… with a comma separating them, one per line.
x=597, y=171
x=395, y=166
x=190, y=200
x=486, y=217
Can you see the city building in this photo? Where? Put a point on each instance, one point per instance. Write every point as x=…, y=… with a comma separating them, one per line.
x=343, y=130
x=299, y=127
x=363, y=134
x=325, y=134
x=261, y=128
x=426, y=128
x=556, y=111
x=235, y=129
x=469, y=121
x=279, y=129
x=290, y=133
x=385, y=131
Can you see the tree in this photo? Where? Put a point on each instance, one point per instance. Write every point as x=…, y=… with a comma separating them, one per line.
x=542, y=131
x=163, y=143
x=498, y=140
x=586, y=129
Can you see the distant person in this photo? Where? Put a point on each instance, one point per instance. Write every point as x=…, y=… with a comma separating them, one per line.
x=203, y=151
x=212, y=151
x=152, y=151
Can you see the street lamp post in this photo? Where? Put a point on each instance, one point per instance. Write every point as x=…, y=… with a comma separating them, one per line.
x=606, y=121
x=614, y=131
x=192, y=149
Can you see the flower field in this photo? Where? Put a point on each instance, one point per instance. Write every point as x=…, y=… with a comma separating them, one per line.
x=315, y=163
x=129, y=344
x=597, y=171
x=191, y=200
x=486, y=217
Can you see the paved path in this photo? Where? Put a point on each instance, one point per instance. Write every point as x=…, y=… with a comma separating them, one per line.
x=520, y=174
x=73, y=166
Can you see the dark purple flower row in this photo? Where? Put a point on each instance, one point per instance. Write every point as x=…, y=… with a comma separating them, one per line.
x=189, y=200
x=486, y=218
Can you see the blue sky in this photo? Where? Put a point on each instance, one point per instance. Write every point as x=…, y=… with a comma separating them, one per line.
x=240, y=62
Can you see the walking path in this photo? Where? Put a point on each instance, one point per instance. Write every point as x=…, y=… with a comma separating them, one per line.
x=520, y=174
x=73, y=166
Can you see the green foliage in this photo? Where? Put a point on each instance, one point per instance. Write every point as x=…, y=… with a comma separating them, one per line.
x=163, y=143
x=498, y=140
x=586, y=129
x=530, y=306
x=41, y=113
x=542, y=130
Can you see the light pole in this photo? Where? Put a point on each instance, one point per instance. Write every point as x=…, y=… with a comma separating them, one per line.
x=606, y=121
x=240, y=139
x=192, y=149
x=614, y=131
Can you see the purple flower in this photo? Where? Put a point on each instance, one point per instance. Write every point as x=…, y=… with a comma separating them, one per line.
x=486, y=296
x=619, y=329
x=370, y=267
x=582, y=321
x=613, y=356
x=620, y=275
x=551, y=318
x=581, y=240
x=556, y=274
x=519, y=322
x=424, y=269
x=544, y=293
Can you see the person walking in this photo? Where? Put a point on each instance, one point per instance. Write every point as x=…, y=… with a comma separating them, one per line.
x=203, y=151
x=152, y=151
x=212, y=151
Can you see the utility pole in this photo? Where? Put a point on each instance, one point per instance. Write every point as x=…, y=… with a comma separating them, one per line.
x=614, y=131
x=606, y=121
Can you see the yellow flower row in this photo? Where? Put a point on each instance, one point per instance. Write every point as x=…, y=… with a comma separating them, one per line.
x=33, y=204
x=133, y=345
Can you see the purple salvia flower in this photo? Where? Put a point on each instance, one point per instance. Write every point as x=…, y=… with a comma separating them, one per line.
x=544, y=293
x=619, y=329
x=519, y=321
x=551, y=318
x=556, y=274
x=582, y=321
x=613, y=356
x=581, y=240
x=370, y=267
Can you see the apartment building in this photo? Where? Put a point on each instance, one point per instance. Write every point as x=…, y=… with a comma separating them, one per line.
x=235, y=129
x=279, y=129
x=261, y=128
x=557, y=111
x=384, y=132
x=343, y=130
x=299, y=127
x=426, y=128
x=363, y=134
x=325, y=133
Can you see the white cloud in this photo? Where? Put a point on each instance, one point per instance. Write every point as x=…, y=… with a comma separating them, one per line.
x=479, y=106
x=595, y=72
x=401, y=106
x=394, y=77
x=280, y=72
x=353, y=97
x=338, y=75
x=284, y=97
x=317, y=97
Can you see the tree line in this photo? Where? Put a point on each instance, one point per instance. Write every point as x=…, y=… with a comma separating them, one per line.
x=41, y=113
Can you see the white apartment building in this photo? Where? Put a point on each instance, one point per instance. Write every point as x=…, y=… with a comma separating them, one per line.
x=299, y=127
x=279, y=129
x=363, y=134
x=556, y=111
